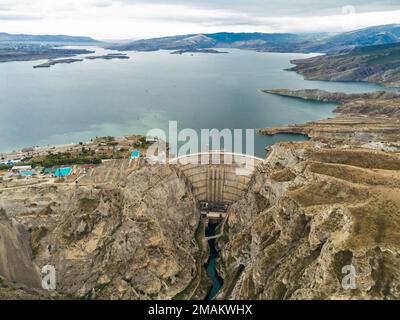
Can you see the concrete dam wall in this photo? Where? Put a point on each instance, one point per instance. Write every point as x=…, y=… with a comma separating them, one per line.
x=217, y=177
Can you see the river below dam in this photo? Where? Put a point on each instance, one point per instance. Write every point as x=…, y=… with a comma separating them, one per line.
x=75, y=102
x=211, y=265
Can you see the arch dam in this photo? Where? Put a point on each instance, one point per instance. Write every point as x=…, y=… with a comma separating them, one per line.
x=217, y=178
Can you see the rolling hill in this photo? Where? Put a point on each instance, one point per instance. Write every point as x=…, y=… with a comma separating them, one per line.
x=378, y=64
x=271, y=42
x=6, y=37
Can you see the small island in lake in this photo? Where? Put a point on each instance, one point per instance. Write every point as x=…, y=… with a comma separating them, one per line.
x=109, y=56
x=54, y=62
x=198, y=51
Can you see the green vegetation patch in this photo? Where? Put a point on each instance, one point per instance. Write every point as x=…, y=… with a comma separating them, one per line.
x=51, y=160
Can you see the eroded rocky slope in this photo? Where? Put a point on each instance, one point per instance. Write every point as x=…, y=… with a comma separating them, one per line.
x=320, y=206
x=130, y=239
x=370, y=120
x=309, y=212
x=378, y=64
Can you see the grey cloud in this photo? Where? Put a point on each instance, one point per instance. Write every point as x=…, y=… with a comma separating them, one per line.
x=10, y=16
x=261, y=13
x=192, y=17
x=102, y=3
x=281, y=7
x=208, y=21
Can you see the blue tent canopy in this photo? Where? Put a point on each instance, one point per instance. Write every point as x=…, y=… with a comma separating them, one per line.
x=135, y=154
x=63, y=172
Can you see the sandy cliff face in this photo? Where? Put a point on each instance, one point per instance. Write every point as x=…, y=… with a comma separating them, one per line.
x=370, y=120
x=308, y=213
x=127, y=240
x=19, y=275
x=15, y=254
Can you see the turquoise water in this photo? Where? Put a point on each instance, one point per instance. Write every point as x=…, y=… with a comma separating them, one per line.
x=75, y=102
x=63, y=172
x=26, y=173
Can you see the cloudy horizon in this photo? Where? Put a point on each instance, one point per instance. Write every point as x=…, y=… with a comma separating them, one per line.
x=133, y=19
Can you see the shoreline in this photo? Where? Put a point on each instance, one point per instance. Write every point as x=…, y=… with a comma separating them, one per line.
x=259, y=131
x=370, y=119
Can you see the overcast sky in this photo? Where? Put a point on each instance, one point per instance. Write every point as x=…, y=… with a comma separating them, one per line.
x=127, y=19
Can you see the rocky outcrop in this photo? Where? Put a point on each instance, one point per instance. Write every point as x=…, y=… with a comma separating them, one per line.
x=335, y=97
x=370, y=119
x=377, y=64
x=310, y=212
x=329, y=207
x=130, y=239
x=16, y=263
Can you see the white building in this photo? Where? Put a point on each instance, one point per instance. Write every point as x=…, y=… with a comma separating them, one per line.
x=21, y=168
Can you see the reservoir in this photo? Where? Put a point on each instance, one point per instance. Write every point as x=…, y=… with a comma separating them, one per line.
x=76, y=102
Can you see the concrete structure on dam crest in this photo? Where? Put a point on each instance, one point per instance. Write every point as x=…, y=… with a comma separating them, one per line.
x=217, y=177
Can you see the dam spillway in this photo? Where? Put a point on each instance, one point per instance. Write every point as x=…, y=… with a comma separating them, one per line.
x=217, y=176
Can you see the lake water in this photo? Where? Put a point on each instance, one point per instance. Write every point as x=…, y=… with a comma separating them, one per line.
x=75, y=102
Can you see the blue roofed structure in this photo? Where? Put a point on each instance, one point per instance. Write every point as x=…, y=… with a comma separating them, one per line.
x=63, y=172
x=135, y=154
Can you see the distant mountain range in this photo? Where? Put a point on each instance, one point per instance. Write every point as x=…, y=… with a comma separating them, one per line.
x=273, y=42
x=6, y=37
x=385, y=34
x=255, y=41
x=278, y=42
